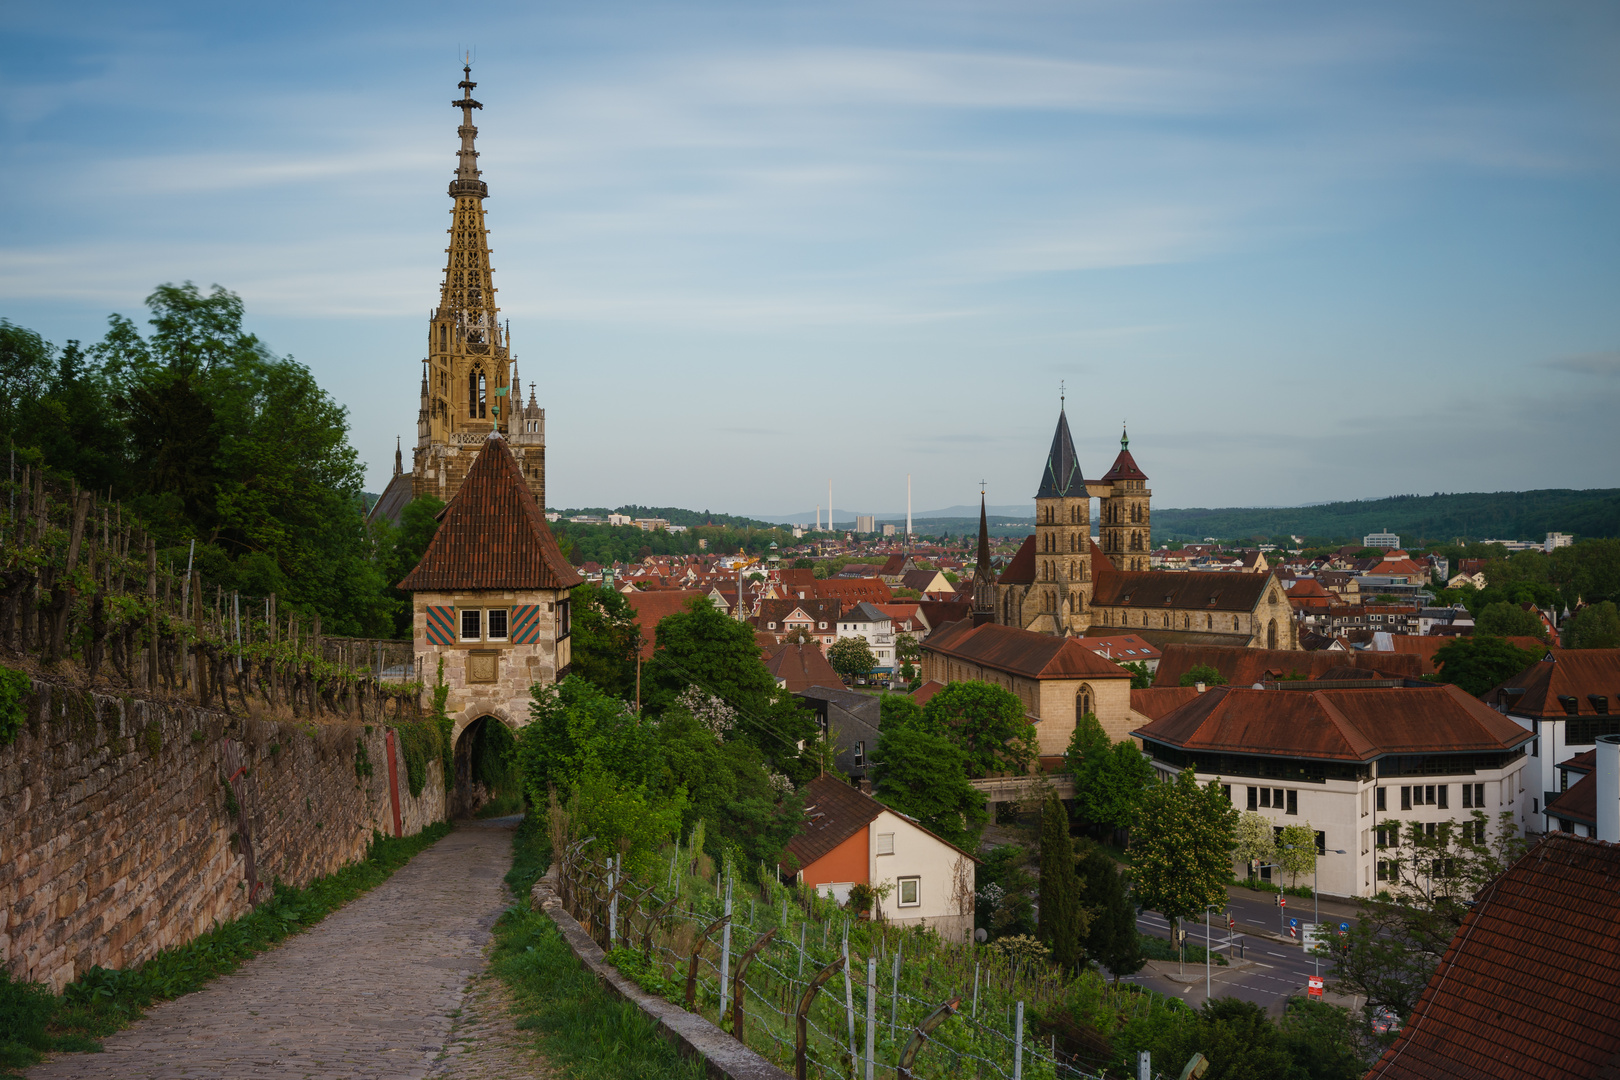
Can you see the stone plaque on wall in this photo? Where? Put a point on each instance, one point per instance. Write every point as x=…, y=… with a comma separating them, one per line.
x=481, y=666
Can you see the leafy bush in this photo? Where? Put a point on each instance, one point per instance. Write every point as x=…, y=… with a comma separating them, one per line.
x=25, y=1009
x=14, y=687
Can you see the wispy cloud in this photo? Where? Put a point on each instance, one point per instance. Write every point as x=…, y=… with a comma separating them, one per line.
x=1602, y=364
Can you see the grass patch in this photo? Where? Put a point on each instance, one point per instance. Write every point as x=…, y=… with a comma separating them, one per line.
x=587, y=1033
x=1158, y=948
x=103, y=1000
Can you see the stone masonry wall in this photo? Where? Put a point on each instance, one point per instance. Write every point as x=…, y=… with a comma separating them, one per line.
x=117, y=838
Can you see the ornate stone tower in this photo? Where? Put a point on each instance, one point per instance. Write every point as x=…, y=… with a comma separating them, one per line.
x=1060, y=600
x=469, y=381
x=1126, y=532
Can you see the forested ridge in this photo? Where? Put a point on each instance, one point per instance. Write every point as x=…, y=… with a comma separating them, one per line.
x=1419, y=519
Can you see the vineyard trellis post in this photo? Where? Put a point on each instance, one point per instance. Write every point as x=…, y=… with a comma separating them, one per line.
x=652, y=925
x=926, y=1028
x=802, y=1015
x=737, y=985
x=1018, y=1044
x=871, y=1015
x=697, y=950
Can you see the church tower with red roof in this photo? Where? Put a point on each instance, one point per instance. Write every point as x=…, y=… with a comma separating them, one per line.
x=1126, y=538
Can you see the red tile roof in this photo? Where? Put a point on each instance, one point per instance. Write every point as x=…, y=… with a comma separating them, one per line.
x=1529, y=988
x=1570, y=676
x=493, y=535
x=652, y=608
x=1245, y=667
x=854, y=590
x=835, y=811
x=1578, y=803
x=926, y=691
x=1021, y=570
x=1214, y=590
x=1022, y=652
x=802, y=666
x=1343, y=725
x=1158, y=701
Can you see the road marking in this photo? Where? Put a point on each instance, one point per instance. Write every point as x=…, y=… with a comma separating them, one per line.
x=1278, y=954
x=1268, y=967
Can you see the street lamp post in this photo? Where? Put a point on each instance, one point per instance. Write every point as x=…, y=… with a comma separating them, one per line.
x=1316, y=897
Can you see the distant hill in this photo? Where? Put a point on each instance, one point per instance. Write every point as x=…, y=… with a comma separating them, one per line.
x=1419, y=519
x=675, y=516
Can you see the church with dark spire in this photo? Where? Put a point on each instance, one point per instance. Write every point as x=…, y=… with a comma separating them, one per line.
x=1065, y=583
x=469, y=386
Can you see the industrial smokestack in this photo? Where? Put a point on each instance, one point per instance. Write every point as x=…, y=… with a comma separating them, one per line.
x=1608, y=788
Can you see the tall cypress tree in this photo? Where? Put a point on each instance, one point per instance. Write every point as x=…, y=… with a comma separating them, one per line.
x=1063, y=922
x=1111, y=940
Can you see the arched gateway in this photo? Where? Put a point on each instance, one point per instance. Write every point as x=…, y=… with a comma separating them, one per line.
x=491, y=602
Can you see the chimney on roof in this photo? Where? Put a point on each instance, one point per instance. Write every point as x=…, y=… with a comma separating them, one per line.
x=1608, y=788
x=1200, y=686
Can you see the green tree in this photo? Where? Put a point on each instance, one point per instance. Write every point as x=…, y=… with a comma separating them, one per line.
x=1183, y=847
x=1478, y=663
x=907, y=649
x=1400, y=935
x=1141, y=677
x=1503, y=619
x=1111, y=938
x=605, y=641
x=576, y=725
x=1326, y=1042
x=401, y=547
x=1596, y=626
x=1109, y=780
x=25, y=369
x=1202, y=673
x=988, y=723
x=702, y=647
x=1254, y=840
x=1296, y=851
x=1063, y=919
x=925, y=775
x=1237, y=1037
x=851, y=658
x=1005, y=907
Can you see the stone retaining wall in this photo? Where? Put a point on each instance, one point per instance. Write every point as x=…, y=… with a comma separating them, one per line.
x=723, y=1057
x=118, y=838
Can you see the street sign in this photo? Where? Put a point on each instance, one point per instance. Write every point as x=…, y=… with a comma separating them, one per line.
x=1293, y=928
x=1315, y=986
x=1312, y=935
x=1344, y=928
x=1282, y=901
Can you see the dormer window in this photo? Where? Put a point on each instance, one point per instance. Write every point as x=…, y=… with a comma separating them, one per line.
x=1571, y=704
x=1600, y=703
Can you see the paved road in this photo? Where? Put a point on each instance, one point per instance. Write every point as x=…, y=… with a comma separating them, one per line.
x=375, y=990
x=1276, y=971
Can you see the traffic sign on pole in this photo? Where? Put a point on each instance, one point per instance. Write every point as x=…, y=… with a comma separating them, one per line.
x=1293, y=928
x=1315, y=986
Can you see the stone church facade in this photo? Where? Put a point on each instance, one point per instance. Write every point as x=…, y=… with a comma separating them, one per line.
x=1062, y=582
x=470, y=385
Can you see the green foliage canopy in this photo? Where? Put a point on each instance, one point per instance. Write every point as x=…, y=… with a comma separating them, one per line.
x=925, y=775
x=1596, y=626
x=1183, y=847
x=1480, y=662
x=989, y=725
x=1063, y=920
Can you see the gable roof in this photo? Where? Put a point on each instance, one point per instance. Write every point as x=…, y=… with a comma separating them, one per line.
x=936, y=613
x=1240, y=666
x=394, y=499
x=1061, y=477
x=1213, y=590
x=1021, y=570
x=1569, y=674
x=1022, y=652
x=654, y=607
x=1160, y=701
x=926, y=691
x=493, y=535
x=1530, y=986
x=1341, y=725
x=854, y=590
x=801, y=667
x=1577, y=803
x=835, y=811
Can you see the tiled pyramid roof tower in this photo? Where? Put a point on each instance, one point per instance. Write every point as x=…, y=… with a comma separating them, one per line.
x=1061, y=478
x=493, y=535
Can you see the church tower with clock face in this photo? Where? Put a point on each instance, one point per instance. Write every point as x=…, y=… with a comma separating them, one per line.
x=470, y=386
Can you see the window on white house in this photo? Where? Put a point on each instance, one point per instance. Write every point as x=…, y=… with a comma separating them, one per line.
x=471, y=623
x=910, y=892
x=885, y=843
x=496, y=619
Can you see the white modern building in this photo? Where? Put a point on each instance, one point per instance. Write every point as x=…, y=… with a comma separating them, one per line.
x=1387, y=540
x=1565, y=702
x=872, y=626
x=1358, y=766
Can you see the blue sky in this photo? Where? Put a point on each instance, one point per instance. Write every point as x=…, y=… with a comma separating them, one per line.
x=1310, y=252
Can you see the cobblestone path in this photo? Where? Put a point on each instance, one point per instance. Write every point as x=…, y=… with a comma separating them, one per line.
x=379, y=989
